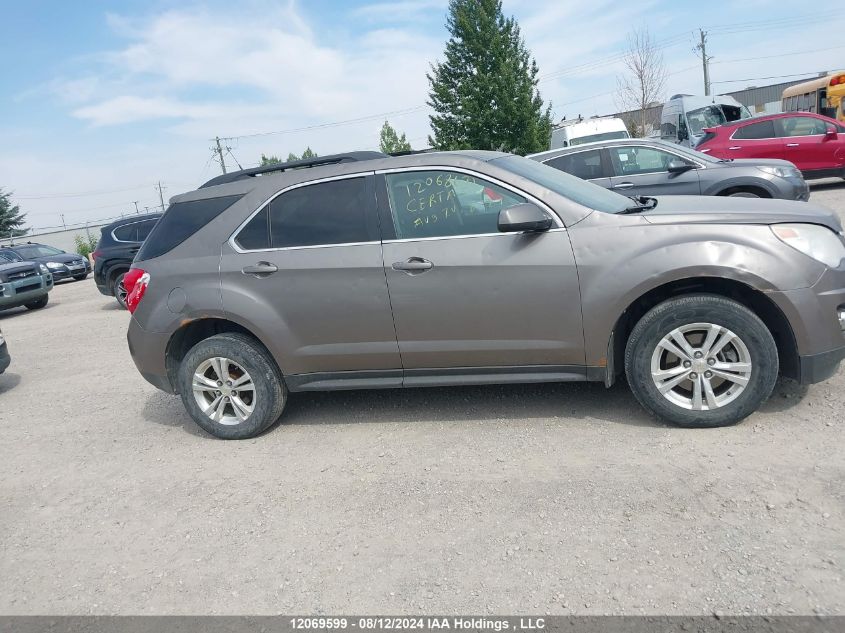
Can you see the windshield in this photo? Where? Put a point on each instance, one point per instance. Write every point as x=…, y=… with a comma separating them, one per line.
x=9, y=256
x=580, y=191
x=713, y=115
x=37, y=250
x=605, y=136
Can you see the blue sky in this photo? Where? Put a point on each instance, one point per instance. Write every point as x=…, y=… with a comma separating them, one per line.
x=100, y=100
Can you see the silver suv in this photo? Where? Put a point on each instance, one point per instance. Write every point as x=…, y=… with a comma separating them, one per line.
x=371, y=271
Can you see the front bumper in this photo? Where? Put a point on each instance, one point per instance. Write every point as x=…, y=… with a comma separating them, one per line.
x=23, y=291
x=5, y=359
x=149, y=352
x=813, y=314
x=67, y=272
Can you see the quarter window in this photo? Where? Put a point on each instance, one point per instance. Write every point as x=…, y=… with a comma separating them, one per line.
x=333, y=212
x=445, y=203
x=256, y=234
x=586, y=165
x=763, y=129
x=801, y=126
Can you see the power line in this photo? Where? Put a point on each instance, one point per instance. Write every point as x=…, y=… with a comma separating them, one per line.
x=320, y=126
x=731, y=81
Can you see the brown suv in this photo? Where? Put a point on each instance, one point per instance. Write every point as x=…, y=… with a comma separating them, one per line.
x=370, y=271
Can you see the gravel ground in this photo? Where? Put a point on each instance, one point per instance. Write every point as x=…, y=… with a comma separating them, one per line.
x=561, y=498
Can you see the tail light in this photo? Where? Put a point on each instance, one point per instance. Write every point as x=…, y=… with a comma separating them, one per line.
x=95, y=255
x=135, y=282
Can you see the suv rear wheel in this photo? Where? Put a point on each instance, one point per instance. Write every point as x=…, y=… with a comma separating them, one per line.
x=119, y=290
x=701, y=361
x=231, y=387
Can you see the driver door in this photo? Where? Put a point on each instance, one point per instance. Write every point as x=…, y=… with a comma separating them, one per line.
x=640, y=170
x=468, y=300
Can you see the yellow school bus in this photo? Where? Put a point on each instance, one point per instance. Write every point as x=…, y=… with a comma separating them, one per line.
x=825, y=95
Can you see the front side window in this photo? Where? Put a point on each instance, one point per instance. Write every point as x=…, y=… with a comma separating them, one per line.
x=586, y=165
x=9, y=256
x=333, y=212
x=802, y=126
x=633, y=160
x=763, y=129
x=445, y=203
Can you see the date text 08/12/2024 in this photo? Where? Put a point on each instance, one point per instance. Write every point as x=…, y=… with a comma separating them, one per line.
x=418, y=623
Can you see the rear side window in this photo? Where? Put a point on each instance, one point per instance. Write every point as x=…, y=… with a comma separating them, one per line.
x=333, y=212
x=256, y=234
x=181, y=221
x=763, y=129
x=586, y=165
x=145, y=228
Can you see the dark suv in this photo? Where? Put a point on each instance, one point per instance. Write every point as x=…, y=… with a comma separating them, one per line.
x=119, y=241
x=453, y=268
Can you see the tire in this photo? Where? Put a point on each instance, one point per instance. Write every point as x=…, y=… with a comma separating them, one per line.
x=38, y=303
x=80, y=277
x=118, y=291
x=726, y=402
x=267, y=399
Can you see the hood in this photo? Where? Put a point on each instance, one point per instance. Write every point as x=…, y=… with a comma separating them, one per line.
x=62, y=258
x=14, y=270
x=725, y=210
x=754, y=162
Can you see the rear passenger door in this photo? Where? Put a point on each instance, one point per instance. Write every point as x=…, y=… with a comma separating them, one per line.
x=805, y=144
x=587, y=164
x=307, y=267
x=641, y=170
x=756, y=140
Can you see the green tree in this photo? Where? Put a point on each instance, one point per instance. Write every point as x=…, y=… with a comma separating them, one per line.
x=485, y=93
x=309, y=153
x=11, y=217
x=269, y=160
x=390, y=142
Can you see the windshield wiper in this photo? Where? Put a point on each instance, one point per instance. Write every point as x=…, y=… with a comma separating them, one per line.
x=644, y=203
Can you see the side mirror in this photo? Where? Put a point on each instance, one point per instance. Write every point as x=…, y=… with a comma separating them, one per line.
x=524, y=217
x=831, y=133
x=678, y=167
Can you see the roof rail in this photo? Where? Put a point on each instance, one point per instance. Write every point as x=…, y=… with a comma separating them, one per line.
x=294, y=164
x=411, y=152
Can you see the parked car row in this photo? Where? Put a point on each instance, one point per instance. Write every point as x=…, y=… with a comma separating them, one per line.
x=753, y=157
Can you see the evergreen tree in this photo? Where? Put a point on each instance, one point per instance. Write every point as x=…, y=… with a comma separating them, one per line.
x=485, y=92
x=11, y=218
x=390, y=142
x=269, y=160
x=309, y=153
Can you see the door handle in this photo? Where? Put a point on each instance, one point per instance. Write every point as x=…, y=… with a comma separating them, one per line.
x=413, y=265
x=261, y=269
x=735, y=147
x=623, y=185
x=793, y=144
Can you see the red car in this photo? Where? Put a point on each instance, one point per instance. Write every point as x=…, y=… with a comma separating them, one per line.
x=813, y=143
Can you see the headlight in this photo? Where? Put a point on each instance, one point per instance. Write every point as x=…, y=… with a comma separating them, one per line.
x=55, y=265
x=43, y=269
x=818, y=242
x=782, y=172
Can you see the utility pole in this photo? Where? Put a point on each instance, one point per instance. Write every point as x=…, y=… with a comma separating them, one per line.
x=135, y=202
x=63, y=221
x=219, y=151
x=160, y=195
x=705, y=60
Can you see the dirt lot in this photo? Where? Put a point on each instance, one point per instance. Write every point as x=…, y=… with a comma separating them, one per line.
x=550, y=498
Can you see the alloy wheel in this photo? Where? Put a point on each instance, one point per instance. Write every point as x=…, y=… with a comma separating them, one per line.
x=224, y=391
x=701, y=366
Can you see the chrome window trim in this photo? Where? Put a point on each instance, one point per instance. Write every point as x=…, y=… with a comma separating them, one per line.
x=114, y=237
x=231, y=241
x=463, y=237
x=394, y=170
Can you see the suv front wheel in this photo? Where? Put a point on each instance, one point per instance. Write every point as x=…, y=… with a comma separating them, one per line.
x=701, y=361
x=231, y=387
